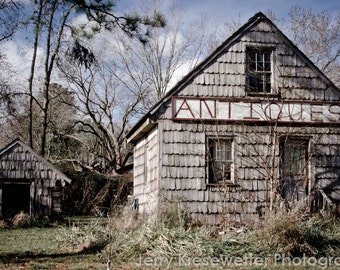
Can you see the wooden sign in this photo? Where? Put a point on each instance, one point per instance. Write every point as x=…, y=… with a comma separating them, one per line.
x=254, y=110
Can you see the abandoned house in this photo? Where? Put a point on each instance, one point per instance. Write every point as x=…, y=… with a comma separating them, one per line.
x=28, y=183
x=254, y=127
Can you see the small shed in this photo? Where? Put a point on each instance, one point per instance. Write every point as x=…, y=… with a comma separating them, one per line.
x=254, y=127
x=28, y=182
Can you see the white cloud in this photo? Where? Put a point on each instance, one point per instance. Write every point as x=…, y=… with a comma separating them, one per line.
x=19, y=56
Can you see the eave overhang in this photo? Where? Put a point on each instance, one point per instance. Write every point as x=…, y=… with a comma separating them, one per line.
x=143, y=129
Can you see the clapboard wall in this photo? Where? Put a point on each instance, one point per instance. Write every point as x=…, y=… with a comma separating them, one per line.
x=146, y=164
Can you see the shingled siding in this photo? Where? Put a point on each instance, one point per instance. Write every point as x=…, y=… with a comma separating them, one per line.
x=184, y=168
x=212, y=101
x=225, y=77
x=39, y=182
x=327, y=163
x=20, y=164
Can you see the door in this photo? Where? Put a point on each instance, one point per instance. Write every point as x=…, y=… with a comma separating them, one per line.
x=295, y=170
x=15, y=198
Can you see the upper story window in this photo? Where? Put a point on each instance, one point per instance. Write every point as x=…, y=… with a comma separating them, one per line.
x=259, y=70
x=220, y=157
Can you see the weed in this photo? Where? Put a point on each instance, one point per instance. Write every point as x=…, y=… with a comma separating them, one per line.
x=89, y=237
x=21, y=220
x=295, y=233
x=125, y=239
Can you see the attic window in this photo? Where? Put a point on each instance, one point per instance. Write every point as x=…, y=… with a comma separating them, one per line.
x=259, y=70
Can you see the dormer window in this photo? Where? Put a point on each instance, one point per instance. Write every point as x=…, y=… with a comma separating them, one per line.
x=259, y=70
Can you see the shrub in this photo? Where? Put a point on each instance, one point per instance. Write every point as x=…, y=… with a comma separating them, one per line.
x=295, y=233
x=89, y=237
x=91, y=192
x=21, y=220
x=127, y=237
x=172, y=215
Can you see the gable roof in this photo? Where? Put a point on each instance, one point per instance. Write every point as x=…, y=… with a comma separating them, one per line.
x=147, y=122
x=16, y=153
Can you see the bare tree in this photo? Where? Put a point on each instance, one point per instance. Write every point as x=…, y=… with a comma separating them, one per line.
x=6, y=98
x=170, y=53
x=105, y=109
x=53, y=20
x=9, y=18
x=317, y=34
x=9, y=23
x=113, y=90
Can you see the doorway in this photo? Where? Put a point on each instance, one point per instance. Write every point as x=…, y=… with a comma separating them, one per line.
x=15, y=198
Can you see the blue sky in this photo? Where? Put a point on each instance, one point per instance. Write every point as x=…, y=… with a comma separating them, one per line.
x=221, y=10
x=247, y=8
x=217, y=12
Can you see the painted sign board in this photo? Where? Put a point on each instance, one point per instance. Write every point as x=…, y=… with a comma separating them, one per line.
x=254, y=110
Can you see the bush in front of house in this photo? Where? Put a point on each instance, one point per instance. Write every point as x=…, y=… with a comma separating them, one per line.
x=93, y=193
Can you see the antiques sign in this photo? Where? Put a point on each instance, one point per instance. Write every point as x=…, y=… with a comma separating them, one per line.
x=254, y=110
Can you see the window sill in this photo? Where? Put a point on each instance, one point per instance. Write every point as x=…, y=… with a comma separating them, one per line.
x=221, y=184
x=259, y=94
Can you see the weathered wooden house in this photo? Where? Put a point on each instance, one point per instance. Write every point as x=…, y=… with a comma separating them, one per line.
x=28, y=182
x=255, y=126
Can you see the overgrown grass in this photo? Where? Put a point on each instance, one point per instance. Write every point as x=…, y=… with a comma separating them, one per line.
x=296, y=234
x=132, y=242
x=278, y=239
x=23, y=220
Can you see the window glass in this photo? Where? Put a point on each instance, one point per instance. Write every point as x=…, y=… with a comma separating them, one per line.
x=294, y=169
x=220, y=160
x=259, y=70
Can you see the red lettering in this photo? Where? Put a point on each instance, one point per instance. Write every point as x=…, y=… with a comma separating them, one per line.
x=212, y=114
x=334, y=109
x=291, y=112
x=228, y=103
x=184, y=107
x=251, y=112
x=315, y=114
x=271, y=113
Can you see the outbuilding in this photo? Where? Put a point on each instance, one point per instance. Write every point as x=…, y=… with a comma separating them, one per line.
x=254, y=127
x=29, y=183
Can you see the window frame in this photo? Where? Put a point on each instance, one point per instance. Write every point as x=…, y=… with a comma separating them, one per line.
x=295, y=182
x=258, y=72
x=211, y=160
